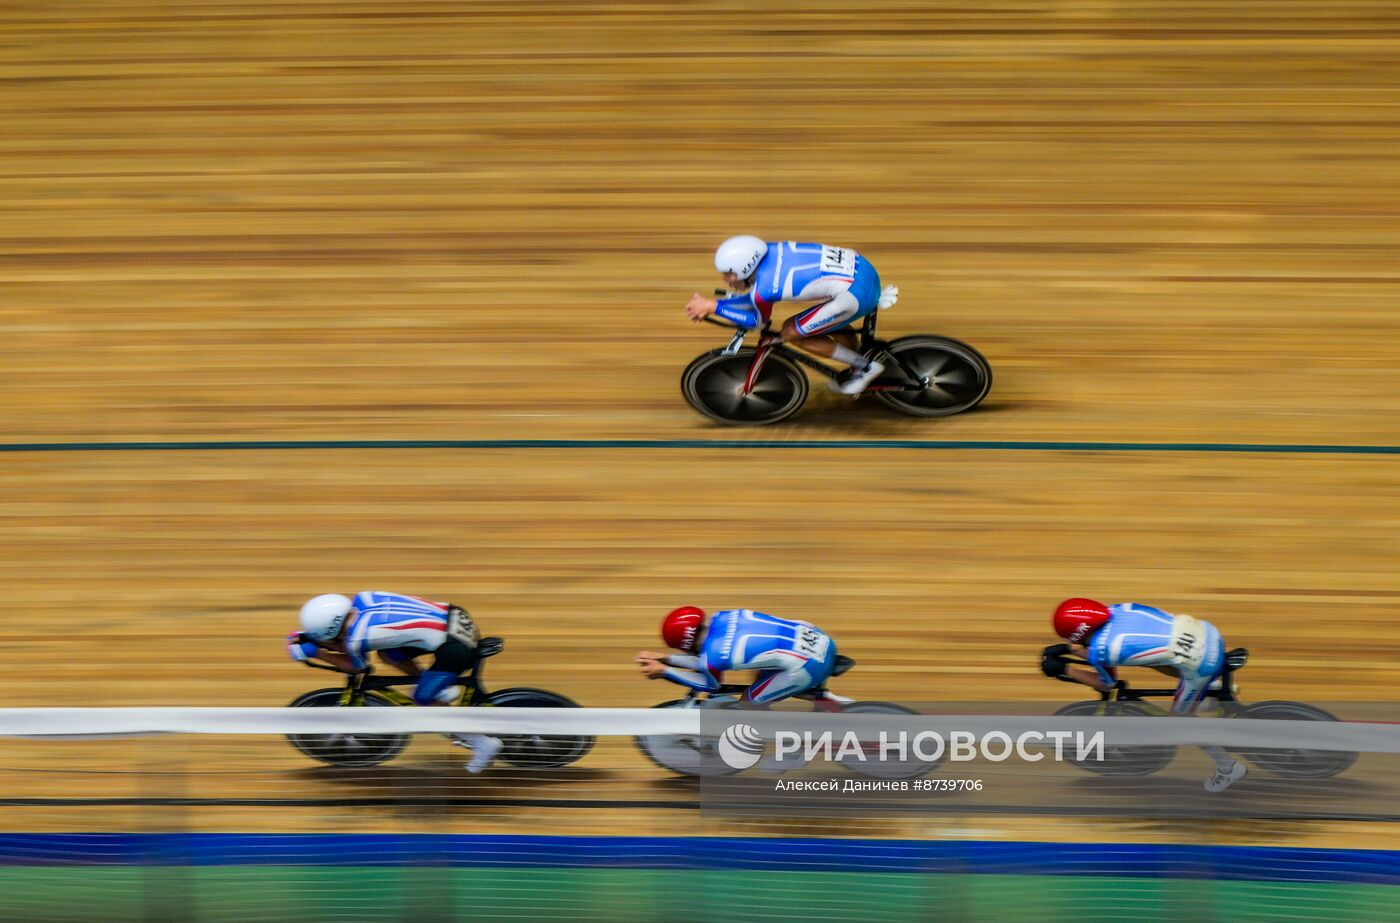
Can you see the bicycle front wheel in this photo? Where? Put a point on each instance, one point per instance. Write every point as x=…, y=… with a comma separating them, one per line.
x=683, y=754
x=714, y=385
x=347, y=750
x=1119, y=761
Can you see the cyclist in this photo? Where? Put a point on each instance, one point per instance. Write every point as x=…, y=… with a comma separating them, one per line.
x=1134, y=635
x=791, y=656
x=838, y=284
x=342, y=632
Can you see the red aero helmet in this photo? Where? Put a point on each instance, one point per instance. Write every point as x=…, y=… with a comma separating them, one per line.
x=681, y=628
x=1076, y=619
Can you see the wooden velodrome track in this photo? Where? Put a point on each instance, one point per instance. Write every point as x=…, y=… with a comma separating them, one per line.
x=1162, y=222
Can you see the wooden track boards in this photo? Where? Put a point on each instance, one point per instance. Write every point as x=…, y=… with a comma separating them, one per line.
x=426, y=220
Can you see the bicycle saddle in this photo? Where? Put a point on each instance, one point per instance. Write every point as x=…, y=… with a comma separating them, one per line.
x=843, y=663
x=489, y=647
x=1237, y=658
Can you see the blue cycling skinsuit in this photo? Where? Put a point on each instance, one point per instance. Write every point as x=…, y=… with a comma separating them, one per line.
x=843, y=280
x=791, y=656
x=402, y=627
x=1144, y=636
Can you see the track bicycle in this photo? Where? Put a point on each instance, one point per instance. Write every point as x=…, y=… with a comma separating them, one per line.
x=531, y=751
x=1122, y=699
x=695, y=755
x=925, y=376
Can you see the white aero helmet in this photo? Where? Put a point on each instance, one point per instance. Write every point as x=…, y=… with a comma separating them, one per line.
x=322, y=616
x=740, y=255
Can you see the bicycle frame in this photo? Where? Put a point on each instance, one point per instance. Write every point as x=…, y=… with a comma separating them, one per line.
x=1225, y=695
x=827, y=702
x=768, y=343
x=358, y=685
x=473, y=693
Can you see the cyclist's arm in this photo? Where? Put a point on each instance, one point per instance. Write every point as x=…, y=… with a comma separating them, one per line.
x=699, y=680
x=301, y=651
x=342, y=662
x=1053, y=663
x=748, y=310
x=684, y=661
x=1101, y=677
x=1088, y=677
x=741, y=310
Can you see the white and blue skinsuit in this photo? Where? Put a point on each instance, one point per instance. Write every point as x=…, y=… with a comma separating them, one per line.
x=843, y=280
x=400, y=628
x=1144, y=636
x=791, y=656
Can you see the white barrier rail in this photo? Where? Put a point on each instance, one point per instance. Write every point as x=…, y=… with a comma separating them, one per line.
x=1359, y=736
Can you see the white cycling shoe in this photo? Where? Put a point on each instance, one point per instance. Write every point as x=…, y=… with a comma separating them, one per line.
x=1223, y=780
x=859, y=381
x=484, y=750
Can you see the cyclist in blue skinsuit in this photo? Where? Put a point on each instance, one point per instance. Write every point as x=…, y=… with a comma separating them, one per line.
x=791, y=657
x=838, y=285
x=1134, y=635
x=342, y=632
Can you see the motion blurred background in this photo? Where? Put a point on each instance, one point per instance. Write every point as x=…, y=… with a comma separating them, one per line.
x=363, y=221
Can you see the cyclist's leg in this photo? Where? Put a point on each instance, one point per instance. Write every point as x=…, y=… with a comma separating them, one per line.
x=823, y=330
x=450, y=661
x=1188, y=698
x=1193, y=684
x=775, y=685
x=826, y=325
x=437, y=687
x=809, y=330
x=1191, y=691
x=401, y=659
x=794, y=674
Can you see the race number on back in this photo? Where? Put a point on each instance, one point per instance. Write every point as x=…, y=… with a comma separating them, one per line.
x=1188, y=641
x=838, y=261
x=811, y=643
x=461, y=626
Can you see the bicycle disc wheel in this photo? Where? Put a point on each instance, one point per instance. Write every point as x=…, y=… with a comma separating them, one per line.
x=1119, y=761
x=958, y=377
x=349, y=750
x=714, y=385
x=1295, y=763
x=539, y=751
x=683, y=754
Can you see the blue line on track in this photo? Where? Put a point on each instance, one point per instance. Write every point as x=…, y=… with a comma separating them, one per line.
x=1236, y=863
x=924, y=444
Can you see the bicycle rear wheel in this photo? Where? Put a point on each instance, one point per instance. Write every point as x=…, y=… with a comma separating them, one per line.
x=348, y=750
x=540, y=751
x=1119, y=761
x=714, y=385
x=1295, y=763
x=873, y=765
x=958, y=377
